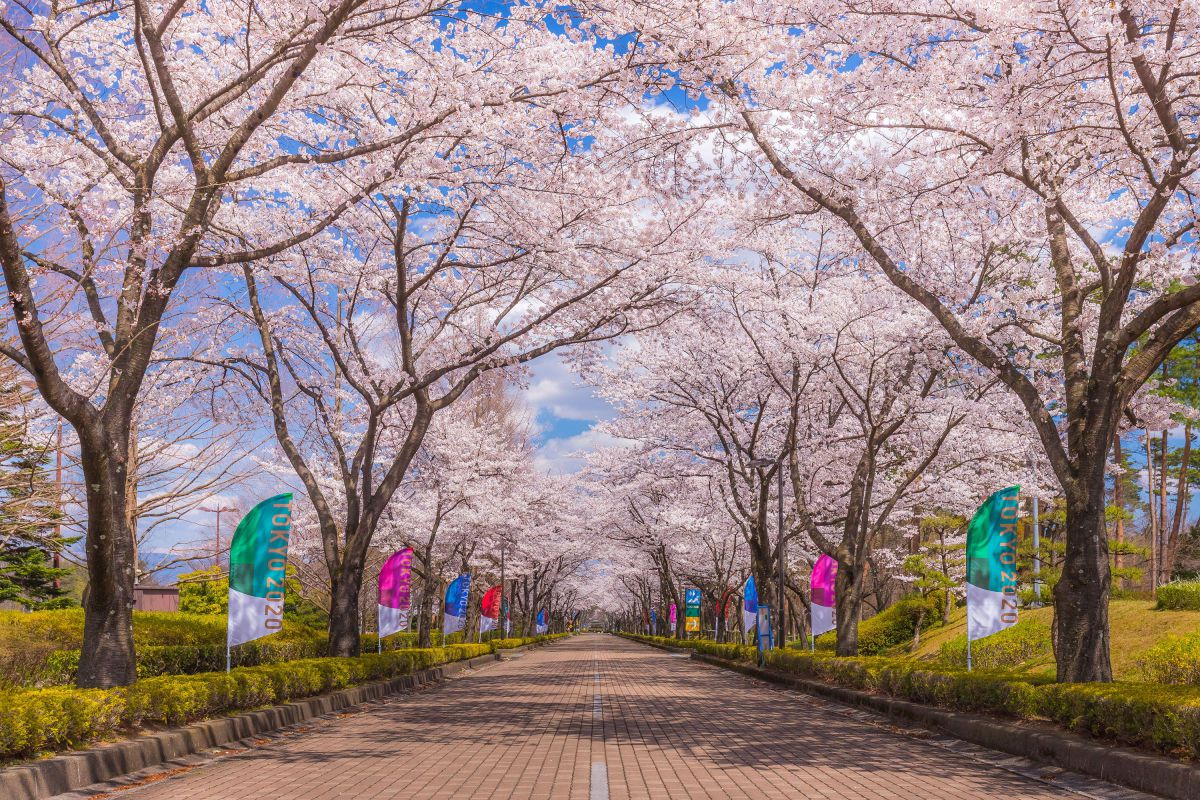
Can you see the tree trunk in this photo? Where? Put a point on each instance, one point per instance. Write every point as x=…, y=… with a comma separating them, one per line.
x=107, y=657
x=343, y=615
x=1081, y=594
x=916, y=644
x=848, y=608
x=1181, y=502
x=426, y=608
x=344, y=626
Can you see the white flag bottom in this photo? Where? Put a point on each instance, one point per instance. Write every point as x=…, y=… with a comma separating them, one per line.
x=822, y=619
x=749, y=618
x=486, y=624
x=989, y=612
x=252, y=617
x=392, y=620
x=452, y=624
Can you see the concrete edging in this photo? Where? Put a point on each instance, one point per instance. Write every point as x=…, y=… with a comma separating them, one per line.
x=70, y=771
x=1145, y=772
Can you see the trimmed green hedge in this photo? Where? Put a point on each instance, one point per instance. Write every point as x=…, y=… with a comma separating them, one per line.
x=42, y=648
x=37, y=720
x=1166, y=718
x=1179, y=596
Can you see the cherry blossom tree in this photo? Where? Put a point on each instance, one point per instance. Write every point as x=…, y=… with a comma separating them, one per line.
x=1023, y=172
x=856, y=395
x=145, y=144
x=373, y=331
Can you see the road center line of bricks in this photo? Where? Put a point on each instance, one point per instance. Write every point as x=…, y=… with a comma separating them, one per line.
x=598, y=787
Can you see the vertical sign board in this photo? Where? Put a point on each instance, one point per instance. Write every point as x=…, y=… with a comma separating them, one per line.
x=691, y=599
x=766, y=639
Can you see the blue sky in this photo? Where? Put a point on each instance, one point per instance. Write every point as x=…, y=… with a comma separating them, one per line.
x=565, y=412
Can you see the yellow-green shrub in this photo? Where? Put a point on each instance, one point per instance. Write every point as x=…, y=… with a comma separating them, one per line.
x=1179, y=596
x=1028, y=640
x=1175, y=660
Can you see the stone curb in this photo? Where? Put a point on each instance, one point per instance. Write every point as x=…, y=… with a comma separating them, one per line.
x=1126, y=766
x=71, y=771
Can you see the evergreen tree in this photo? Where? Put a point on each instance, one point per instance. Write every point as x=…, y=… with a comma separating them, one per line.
x=28, y=507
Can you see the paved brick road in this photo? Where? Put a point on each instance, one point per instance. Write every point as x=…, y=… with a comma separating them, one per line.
x=598, y=717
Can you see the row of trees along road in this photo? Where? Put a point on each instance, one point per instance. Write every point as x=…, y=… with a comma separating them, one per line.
x=350, y=214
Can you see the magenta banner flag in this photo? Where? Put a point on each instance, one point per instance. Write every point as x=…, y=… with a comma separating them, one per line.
x=824, y=579
x=673, y=621
x=395, y=592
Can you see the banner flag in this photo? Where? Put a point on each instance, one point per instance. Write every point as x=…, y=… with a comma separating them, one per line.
x=542, y=625
x=691, y=610
x=824, y=584
x=992, y=565
x=489, y=610
x=507, y=618
x=653, y=622
x=395, y=592
x=674, y=620
x=454, y=614
x=749, y=605
x=257, y=568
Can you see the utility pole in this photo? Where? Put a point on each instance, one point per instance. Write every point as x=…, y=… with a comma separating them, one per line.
x=1037, y=540
x=57, y=556
x=500, y=621
x=217, y=510
x=782, y=562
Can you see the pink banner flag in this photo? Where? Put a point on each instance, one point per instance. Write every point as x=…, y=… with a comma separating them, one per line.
x=824, y=579
x=673, y=624
x=395, y=592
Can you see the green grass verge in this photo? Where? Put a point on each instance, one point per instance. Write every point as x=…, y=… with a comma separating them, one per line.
x=1136, y=628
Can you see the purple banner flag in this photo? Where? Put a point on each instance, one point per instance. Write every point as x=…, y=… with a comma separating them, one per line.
x=824, y=579
x=395, y=592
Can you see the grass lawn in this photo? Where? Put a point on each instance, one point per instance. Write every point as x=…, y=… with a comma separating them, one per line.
x=1136, y=626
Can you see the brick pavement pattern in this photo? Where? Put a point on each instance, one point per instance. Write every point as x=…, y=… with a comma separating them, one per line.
x=598, y=717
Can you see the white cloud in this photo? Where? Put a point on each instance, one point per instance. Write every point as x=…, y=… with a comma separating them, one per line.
x=555, y=390
x=564, y=455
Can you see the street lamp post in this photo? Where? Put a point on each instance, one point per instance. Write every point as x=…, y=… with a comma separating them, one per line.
x=500, y=621
x=764, y=463
x=218, y=509
x=1037, y=540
